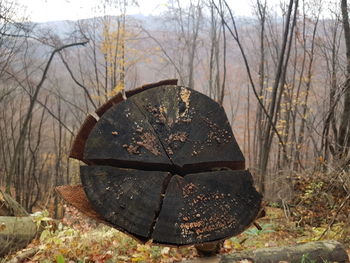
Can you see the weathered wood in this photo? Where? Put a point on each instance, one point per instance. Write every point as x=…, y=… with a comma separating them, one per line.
x=10, y=207
x=77, y=150
x=209, y=249
x=75, y=196
x=316, y=252
x=204, y=207
x=155, y=168
x=15, y=233
x=119, y=98
x=122, y=137
x=193, y=128
x=24, y=255
x=128, y=199
x=166, y=128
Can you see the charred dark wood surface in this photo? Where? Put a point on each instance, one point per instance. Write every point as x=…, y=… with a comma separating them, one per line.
x=128, y=199
x=203, y=207
x=193, y=128
x=161, y=167
x=77, y=149
x=124, y=138
x=167, y=128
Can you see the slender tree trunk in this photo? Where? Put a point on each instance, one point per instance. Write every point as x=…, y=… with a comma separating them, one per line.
x=343, y=139
x=281, y=67
x=23, y=130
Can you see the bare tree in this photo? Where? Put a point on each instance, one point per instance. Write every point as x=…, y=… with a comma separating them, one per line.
x=19, y=144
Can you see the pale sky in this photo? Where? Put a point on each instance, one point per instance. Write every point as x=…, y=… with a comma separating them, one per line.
x=53, y=10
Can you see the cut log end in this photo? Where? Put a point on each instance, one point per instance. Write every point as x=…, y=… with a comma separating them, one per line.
x=169, y=209
x=161, y=167
x=77, y=150
x=203, y=207
x=172, y=126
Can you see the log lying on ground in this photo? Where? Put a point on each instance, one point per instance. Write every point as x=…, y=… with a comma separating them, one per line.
x=9, y=206
x=316, y=252
x=161, y=168
x=15, y=233
x=17, y=228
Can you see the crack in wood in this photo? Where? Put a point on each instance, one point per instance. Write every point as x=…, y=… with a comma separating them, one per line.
x=157, y=212
x=169, y=124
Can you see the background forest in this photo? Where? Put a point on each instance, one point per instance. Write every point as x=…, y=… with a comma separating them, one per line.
x=282, y=76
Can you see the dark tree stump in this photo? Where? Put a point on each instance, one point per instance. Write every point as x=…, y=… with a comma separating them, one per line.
x=161, y=167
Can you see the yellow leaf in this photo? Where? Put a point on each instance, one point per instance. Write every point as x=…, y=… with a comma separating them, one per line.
x=118, y=88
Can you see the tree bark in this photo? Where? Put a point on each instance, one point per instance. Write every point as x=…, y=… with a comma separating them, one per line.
x=343, y=139
x=9, y=206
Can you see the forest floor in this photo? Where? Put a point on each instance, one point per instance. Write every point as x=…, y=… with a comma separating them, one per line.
x=320, y=211
x=77, y=239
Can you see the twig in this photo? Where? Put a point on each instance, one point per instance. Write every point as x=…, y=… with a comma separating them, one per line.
x=24, y=255
x=30, y=111
x=335, y=216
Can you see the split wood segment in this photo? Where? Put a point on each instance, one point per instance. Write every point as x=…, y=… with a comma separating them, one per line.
x=163, y=165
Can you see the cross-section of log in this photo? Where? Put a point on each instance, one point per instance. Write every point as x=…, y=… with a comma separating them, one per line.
x=77, y=149
x=169, y=127
x=192, y=127
x=124, y=138
x=128, y=199
x=205, y=207
x=161, y=167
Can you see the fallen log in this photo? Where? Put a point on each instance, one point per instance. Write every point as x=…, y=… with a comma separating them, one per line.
x=24, y=255
x=17, y=228
x=9, y=206
x=316, y=252
x=15, y=233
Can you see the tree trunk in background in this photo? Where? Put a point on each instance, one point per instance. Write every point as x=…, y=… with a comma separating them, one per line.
x=259, y=114
x=343, y=139
x=277, y=90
